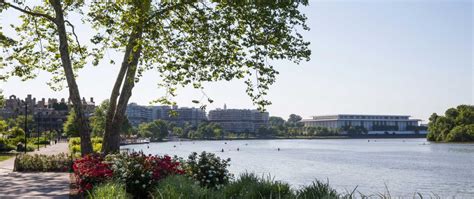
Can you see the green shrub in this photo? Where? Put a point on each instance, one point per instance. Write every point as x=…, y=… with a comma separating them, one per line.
x=43, y=163
x=462, y=133
x=74, y=141
x=108, y=190
x=251, y=186
x=178, y=186
x=317, y=190
x=95, y=140
x=140, y=173
x=96, y=147
x=208, y=169
x=5, y=145
x=75, y=145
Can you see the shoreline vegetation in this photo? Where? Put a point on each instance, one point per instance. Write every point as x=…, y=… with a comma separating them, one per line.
x=457, y=125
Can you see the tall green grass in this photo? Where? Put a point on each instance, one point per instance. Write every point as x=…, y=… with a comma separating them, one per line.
x=249, y=185
x=180, y=186
x=318, y=190
x=108, y=190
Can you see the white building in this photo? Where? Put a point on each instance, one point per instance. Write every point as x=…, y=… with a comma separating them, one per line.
x=375, y=124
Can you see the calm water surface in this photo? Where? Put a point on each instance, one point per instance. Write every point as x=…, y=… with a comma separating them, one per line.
x=405, y=166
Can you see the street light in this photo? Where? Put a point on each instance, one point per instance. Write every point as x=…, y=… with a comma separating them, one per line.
x=37, y=131
x=26, y=123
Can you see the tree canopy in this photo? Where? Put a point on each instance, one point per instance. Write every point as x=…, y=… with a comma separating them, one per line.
x=43, y=42
x=294, y=120
x=70, y=126
x=189, y=43
x=156, y=130
x=457, y=125
x=186, y=42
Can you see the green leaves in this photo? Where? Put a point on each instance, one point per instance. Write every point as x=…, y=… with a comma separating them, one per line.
x=37, y=48
x=189, y=43
x=456, y=126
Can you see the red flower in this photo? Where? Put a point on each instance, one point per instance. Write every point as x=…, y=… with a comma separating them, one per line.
x=91, y=170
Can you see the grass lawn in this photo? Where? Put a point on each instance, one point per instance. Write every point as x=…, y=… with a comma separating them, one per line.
x=5, y=157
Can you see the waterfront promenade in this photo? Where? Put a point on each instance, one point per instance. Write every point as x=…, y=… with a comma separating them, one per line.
x=34, y=185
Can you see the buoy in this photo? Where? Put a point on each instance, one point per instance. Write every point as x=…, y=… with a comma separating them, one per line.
x=278, y=149
x=238, y=149
x=174, y=146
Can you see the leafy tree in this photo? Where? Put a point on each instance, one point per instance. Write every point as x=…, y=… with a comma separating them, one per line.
x=70, y=127
x=97, y=120
x=294, y=121
x=178, y=131
x=156, y=130
x=19, y=122
x=190, y=42
x=3, y=126
x=276, y=121
x=127, y=128
x=461, y=133
x=16, y=132
x=456, y=126
x=58, y=52
x=265, y=132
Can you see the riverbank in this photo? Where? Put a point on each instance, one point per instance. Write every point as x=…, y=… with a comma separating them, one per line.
x=374, y=136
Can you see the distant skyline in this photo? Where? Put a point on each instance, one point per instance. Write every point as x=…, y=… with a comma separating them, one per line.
x=368, y=57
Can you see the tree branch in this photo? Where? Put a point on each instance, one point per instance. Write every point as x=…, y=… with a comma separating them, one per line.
x=27, y=11
x=74, y=33
x=162, y=11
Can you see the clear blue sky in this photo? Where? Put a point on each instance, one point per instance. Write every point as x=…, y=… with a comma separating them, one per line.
x=369, y=57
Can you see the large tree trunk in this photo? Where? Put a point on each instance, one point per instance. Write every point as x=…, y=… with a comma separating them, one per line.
x=83, y=125
x=116, y=112
x=126, y=76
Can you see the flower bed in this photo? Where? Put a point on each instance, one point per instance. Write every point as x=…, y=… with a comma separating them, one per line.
x=208, y=170
x=137, y=171
x=43, y=163
x=91, y=170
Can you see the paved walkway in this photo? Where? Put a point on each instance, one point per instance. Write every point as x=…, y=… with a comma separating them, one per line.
x=34, y=185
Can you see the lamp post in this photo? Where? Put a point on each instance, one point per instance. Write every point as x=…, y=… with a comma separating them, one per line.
x=26, y=124
x=37, y=131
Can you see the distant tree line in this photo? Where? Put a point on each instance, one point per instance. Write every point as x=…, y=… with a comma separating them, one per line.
x=457, y=125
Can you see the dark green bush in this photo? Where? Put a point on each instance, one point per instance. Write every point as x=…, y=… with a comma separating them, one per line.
x=5, y=145
x=179, y=186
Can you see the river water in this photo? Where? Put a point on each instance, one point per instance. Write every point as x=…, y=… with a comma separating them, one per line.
x=401, y=166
